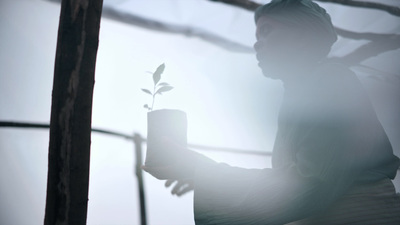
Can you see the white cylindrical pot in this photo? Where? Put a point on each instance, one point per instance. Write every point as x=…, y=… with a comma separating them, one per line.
x=165, y=123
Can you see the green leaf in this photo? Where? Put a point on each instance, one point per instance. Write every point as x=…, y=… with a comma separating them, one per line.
x=147, y=107
x=147, y=91
x=164, y=89
x=163, y=84
x=157, y=74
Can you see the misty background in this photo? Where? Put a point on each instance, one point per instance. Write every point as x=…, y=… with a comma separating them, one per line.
x=227, y=100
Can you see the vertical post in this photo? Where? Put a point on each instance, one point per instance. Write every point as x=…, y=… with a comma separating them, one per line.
x=139, y=174
x=71, y=112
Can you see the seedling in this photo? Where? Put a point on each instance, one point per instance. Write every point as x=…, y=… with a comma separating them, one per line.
x=158, y=88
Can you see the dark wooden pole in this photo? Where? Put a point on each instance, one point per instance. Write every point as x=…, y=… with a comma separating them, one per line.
x=138, y=140
x=71, y=112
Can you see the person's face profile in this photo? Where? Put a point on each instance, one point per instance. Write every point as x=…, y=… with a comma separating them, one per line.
x=277, y=45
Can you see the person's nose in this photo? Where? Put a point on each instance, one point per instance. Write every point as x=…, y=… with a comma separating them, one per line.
x=257, y=46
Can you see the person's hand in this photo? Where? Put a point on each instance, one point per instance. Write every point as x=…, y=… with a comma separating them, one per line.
x=174, y=171
x=181, y=186
x=180, y=165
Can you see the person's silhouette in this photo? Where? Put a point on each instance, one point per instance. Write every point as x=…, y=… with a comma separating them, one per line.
x=332, y=161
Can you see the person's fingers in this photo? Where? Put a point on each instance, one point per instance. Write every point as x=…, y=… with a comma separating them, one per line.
x=182, y=187
x=177, y=186
x=169, y=182
x=185, y=189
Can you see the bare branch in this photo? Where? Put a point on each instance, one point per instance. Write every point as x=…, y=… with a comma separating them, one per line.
x=175, y=29
x=379, y=43
x=364, y=36
x=369, y=5
x=244, y=4
x=161, y=26
x=252, y=6
x=377, y=74
x=146, y=23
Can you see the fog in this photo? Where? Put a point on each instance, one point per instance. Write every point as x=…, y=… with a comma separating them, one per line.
x=227, y=100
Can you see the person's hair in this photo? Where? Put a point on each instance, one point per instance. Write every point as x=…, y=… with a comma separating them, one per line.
x=303, y=14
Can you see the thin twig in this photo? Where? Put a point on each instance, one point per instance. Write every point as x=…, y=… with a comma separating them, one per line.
x=393, y=10
x=12, y=124
x=365, y=35
x=379, y=43
x=355, y=57
x=207, y=36
x=162, y=26
x=250, y=5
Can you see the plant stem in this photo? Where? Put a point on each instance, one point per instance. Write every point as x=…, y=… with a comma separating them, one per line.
x=154, y=96
x=152, y=104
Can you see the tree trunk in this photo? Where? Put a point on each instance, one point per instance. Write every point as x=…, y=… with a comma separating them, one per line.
x=71, y=112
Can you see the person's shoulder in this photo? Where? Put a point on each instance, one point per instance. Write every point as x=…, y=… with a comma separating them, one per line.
x=341, y=87
x=337, y=76
x=334, y=71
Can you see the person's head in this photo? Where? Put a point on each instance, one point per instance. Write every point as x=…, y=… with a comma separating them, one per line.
x=291, y=34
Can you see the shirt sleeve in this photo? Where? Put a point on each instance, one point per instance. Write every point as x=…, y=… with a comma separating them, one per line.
x=230, y=195
x=332, y=148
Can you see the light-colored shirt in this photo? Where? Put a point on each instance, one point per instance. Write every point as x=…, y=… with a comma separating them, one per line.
x=329, y=139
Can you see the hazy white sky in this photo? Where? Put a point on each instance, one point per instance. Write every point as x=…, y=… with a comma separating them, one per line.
x=227, y=101
x=206, y=81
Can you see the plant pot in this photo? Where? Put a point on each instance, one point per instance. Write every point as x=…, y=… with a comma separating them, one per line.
x=164, y=124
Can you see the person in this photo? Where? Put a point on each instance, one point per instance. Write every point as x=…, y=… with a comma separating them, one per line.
x=332, y=161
